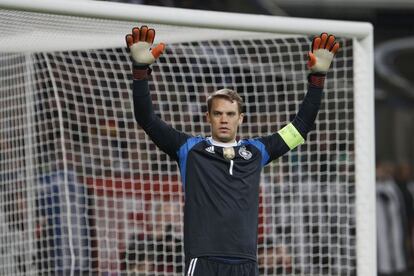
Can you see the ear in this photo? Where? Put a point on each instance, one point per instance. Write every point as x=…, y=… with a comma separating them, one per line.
x=241, y=117
x=208, y=117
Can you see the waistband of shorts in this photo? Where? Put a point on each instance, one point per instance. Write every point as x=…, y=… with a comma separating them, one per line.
x=228, y=260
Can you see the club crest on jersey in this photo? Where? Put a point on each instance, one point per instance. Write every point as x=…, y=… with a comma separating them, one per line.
x=210, y=149
x=243, y=152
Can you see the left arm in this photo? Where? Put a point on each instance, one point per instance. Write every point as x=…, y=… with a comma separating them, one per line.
x=289, y=137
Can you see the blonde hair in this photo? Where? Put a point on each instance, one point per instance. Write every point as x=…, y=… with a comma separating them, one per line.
x=227, y=94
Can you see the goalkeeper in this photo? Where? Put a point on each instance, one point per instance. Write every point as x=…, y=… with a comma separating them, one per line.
x=220, y=175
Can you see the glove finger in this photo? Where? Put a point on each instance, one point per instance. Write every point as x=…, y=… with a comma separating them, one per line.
x=150, y=36
x=143, y=33
x=311, y=60
x=315, y=43
x=324, y=38
x=135, y=34
x=158, y=50
x=330, y=42
x=129, y=40
x=335, y=48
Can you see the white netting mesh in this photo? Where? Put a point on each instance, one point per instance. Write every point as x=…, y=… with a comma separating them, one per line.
x=83, y=189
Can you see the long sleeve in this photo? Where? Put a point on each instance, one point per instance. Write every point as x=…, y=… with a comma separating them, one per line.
x=306, y=116
x=168, y=139
x=295, y=133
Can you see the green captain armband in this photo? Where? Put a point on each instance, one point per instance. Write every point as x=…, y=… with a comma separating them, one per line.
x=291, y=136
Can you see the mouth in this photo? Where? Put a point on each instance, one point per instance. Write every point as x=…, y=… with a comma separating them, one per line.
x=224, y=129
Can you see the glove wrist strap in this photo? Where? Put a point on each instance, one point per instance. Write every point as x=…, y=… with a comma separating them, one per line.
x=316, y=80
x=141, y=71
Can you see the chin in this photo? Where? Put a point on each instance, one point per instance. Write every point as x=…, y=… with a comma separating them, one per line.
x=225, y=139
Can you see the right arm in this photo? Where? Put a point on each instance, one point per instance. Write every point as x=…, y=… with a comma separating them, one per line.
x=164, y=136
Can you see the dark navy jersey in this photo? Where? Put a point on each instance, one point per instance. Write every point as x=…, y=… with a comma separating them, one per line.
x=221, y=184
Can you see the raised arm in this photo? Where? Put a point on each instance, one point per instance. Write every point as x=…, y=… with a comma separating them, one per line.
x=139, y=43
x=323, y=50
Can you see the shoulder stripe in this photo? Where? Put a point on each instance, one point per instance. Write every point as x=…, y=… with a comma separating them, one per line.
x=261, y=147
x=291, y=136
x=182, y=154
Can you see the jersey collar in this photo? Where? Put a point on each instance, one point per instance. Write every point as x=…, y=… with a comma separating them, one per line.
x=220, y=144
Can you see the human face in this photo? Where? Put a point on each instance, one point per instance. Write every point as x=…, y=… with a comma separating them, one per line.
x=224, y=118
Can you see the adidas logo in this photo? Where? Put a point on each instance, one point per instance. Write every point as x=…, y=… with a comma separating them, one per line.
x=210, y=149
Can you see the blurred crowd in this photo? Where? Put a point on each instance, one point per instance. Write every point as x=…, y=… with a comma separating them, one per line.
x=161, y=243
x=395, y=218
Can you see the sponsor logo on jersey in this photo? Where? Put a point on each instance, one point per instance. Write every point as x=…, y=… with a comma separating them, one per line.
x=243, y=152
x=210, y=149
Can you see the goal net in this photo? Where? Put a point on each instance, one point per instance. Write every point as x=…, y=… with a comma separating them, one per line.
x=83, y=191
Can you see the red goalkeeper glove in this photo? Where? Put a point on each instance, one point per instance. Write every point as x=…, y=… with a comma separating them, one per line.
x=139, y=43
x=324, y=48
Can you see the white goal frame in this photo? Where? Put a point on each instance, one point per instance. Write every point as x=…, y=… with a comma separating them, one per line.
x=360, y=32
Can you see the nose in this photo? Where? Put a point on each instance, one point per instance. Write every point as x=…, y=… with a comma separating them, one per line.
x=223, y=119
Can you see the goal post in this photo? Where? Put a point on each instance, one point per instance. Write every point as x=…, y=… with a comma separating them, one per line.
x=83, y=189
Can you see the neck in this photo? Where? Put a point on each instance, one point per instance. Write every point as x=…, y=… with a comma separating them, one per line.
x=222, y=144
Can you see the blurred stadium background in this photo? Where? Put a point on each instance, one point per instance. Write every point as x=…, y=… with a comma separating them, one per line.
x=394, y=100
x=393, y=22
x=394, y=49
